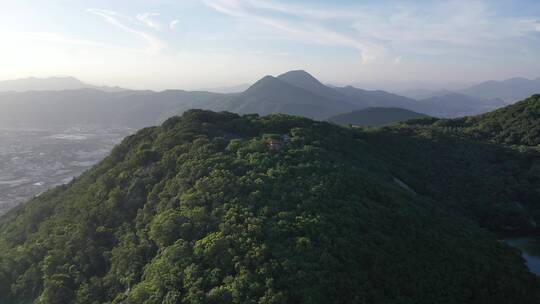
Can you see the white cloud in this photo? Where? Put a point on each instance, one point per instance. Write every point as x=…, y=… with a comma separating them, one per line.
x=398, y=59
x=460, y=27
x=120, y=21
x=307, y=31
x=147, y=20
x=174, y=24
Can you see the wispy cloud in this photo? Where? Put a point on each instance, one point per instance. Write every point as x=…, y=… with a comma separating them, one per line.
x=174, y=24
x=128, y=24
x=147, y=19
x=303, y=11
x=304, y=30
x=461, y=27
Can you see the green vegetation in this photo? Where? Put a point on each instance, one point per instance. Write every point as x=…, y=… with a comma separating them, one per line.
x=201, y=210
x=487, y=166
x=517, y=125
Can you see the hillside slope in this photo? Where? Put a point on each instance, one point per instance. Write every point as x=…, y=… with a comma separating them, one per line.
x=375, y=117
x=201, y=210
x=486, y=166
x=514, y=125
x=518, y=124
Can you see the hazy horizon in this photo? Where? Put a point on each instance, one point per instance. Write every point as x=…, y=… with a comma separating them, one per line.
x=393, y=86
x=217, y=43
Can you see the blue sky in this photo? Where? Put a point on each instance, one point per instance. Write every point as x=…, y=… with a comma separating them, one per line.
x=160, y=44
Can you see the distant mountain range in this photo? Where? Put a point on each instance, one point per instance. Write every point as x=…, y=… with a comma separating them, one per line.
x=453, y=105
x=50, y=84
x=57, y=109
x=510, y=90
x=449, y=105
x=375, y=117
x=67, y=101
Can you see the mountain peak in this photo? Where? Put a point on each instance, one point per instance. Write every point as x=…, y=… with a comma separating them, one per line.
x=263, y=83
x=299, y=72
x=267, y=78
x=302, y=73
x=274, y=95
x=304, y=80
x=299, y=76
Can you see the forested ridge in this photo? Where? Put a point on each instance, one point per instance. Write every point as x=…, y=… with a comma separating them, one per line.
x=516, y=125
x=204, y=210
x=486, y=166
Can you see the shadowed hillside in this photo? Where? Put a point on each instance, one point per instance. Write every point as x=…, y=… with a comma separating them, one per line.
x=375, y=117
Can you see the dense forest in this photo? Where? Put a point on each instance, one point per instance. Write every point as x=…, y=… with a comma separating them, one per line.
x=221, y=208
x=517, y=125
x=485, y=166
